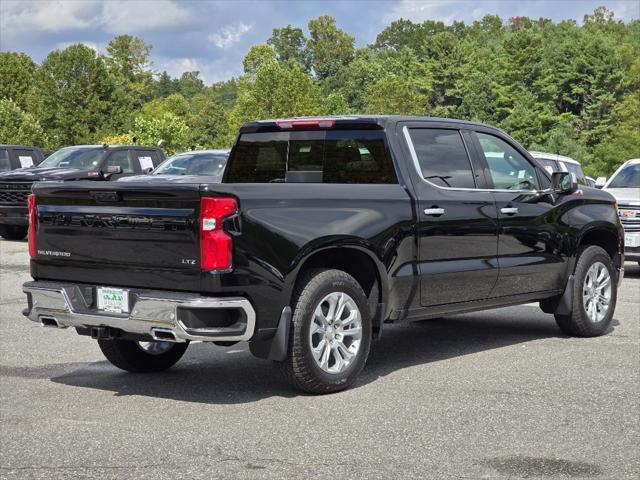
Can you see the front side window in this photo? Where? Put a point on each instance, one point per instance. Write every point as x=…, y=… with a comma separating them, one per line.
x=549, y=165
x=120, y=158
x=442, y=157
x=314, y=156
x=628, y=177
x=509, y=169
x=5, y=163
x=72, y=157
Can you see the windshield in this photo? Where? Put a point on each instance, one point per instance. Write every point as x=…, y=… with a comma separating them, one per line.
x=71, y=157
x=202, y=163
x=628, y=177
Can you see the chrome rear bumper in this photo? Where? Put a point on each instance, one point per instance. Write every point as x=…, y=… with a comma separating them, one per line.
x=157, y=314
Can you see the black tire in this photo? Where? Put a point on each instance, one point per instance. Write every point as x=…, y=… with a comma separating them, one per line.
x=300, y=367
x=128, y=355
x=14, y=232
x=578, y=323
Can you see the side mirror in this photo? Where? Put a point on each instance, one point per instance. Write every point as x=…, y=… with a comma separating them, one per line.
x=564, y=182
x=600, y=181
x=147, y=171
x=114, y=169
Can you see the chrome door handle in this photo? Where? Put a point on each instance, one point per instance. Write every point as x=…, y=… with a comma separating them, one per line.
x=509, y=210
x=434, y=212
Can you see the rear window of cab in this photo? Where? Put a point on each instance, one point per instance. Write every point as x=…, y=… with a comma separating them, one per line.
x=311, y=156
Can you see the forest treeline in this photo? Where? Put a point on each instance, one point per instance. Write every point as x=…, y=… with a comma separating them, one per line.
x=564, y=87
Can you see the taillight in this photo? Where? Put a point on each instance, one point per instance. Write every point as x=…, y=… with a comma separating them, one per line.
x=33, y=224
x=215, y=244
x=306, y=123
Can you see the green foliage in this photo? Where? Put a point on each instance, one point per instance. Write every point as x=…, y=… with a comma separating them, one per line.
x=17, y=76
x=561, y=87
x=80, y=99
x=330, y=48
x=168, y=128
x=19, y=127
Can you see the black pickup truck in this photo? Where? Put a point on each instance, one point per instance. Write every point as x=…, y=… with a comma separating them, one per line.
x=81, y=162
x=322, y=230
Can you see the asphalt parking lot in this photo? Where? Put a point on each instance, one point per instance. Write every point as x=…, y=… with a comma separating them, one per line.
x=497, y=394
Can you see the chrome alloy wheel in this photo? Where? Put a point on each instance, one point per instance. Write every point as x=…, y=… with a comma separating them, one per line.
x=155, y=347
x=336, y=332
x=596, y=292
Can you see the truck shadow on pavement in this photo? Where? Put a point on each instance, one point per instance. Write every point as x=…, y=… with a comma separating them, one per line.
x=217, y=375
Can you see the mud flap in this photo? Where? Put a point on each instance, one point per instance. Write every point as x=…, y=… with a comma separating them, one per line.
x=560, y=305
x=275, y=348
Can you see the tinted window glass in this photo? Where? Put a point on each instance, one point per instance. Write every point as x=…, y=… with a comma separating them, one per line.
x=509, y=169
x=120, y=158
x=549, y=165
x=335, y=156
x=205, y=163
x=73, y=157
x=628, y=177
x=442, y=157
x=5, y=163
x=577, y=170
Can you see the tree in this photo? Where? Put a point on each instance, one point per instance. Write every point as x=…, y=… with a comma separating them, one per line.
x=19, y=127
x=190, y=83
x=172, y=130
x=80, y=97
x=207, y=120
x=258, y=55
x=17, y=75
x=290, y=45
x=330, y=48
x=129, y=55
x=165, y=85
x=275, y=91
x=394, y=94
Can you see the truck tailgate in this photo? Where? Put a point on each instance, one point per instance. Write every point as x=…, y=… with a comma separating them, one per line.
x=143, y=234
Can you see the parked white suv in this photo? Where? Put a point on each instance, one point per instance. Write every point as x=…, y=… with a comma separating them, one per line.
x=624, y=184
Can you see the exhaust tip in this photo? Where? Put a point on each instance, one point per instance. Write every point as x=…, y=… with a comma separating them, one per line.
x=164, y=335
x=50, y=322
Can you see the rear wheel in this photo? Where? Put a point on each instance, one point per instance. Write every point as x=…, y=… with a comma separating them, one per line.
x=594, y=295
x=142, y=357
x=10, y=232
x=331, y=332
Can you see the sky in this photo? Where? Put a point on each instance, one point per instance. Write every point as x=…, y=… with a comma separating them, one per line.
x=213, y=36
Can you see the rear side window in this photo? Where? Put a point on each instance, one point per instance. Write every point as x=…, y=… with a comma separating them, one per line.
x=442, y=157
x=333, y=156
x=26, y=158
x=120, y=158
x=5, y=163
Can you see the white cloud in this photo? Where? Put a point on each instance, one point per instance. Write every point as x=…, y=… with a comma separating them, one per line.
x=229, y=35
x=131, y=17
x=114, y=16
x=50, y=15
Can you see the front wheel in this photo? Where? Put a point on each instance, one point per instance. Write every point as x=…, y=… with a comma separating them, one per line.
x=142, y=357
x=330, y=333
x=14, y=233
x=594, y=295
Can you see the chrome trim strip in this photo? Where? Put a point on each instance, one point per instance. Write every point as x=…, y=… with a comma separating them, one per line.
x=146, y=314
x=416, y=164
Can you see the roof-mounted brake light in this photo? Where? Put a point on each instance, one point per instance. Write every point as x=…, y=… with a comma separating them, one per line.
x=306, y=123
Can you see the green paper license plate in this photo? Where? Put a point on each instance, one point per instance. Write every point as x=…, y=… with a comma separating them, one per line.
x=113, y=300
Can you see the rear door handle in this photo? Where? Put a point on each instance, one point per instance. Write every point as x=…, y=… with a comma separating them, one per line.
x=434, y=212
x=509, y=210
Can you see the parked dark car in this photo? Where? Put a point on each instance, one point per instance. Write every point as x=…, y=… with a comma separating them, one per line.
x=207, y=163
x=19, y=156
x=94, y=162
x=322, y=230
